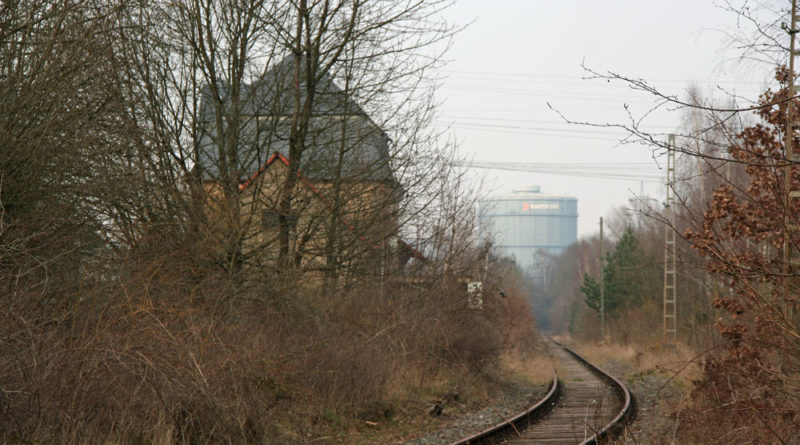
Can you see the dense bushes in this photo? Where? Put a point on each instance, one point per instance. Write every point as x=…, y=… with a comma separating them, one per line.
x=142, y=359
x=138, y=301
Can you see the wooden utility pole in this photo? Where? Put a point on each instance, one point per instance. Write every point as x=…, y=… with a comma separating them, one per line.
x=670, y=292
x=602, y=285
x=792, y=193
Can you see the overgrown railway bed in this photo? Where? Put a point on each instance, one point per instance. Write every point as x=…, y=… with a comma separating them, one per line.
x=584, y=405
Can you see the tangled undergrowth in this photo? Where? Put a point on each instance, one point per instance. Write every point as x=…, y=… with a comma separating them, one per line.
x=149, y=358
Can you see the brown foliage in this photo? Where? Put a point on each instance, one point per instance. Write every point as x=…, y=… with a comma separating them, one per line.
x=153, y=356
x=750, y=390
x=120, y=320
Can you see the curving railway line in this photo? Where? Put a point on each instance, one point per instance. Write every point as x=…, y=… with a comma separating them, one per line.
x=584, y=406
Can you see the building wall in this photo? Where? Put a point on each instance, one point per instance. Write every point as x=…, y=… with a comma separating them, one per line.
x=365, y=219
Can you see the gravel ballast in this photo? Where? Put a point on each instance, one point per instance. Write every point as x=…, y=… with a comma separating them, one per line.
x=516, y=398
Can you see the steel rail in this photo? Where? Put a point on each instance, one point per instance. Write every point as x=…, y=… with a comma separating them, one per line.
x=527, y=418
x=540, y=408
x=625, y=413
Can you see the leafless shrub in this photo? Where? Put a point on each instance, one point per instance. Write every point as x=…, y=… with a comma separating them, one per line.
x=127, y=317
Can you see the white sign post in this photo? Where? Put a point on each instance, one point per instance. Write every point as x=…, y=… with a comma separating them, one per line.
x=475, y=295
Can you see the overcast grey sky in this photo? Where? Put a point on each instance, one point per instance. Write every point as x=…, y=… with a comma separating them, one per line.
x=518, y=55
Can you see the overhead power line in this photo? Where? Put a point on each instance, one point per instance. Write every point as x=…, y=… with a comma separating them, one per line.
x=536, y=121
x=631, y=98
x=638, y=171
x=525, y=131
x=589, y=77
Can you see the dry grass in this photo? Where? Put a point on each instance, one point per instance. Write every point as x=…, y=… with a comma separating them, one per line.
x=663, y=381
x=677, y=362
x=536, y=368
x=160, y=358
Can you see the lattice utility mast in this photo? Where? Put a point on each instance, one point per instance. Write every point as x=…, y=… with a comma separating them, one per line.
x=670, y=282
x=792, y=192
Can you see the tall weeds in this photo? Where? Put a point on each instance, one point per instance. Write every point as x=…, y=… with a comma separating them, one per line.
x=152, y=356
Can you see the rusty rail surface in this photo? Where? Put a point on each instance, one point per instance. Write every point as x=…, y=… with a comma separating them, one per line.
x=532, y=425
x=625, y=413
x=519, y=421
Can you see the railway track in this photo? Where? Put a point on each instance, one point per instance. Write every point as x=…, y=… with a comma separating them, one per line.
x=584, y=406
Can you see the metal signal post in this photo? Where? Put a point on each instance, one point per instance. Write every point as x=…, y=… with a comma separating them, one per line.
x=670, y=292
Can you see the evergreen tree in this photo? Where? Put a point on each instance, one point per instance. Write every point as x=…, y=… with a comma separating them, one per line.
x=623, y=277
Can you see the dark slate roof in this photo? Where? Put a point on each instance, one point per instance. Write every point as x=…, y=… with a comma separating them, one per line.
x=338, y=125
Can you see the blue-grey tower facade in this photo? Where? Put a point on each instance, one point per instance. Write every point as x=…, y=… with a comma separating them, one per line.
x=528, y=225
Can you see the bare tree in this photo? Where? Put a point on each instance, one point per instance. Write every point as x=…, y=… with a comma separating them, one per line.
x=738, y=213
x=343, y=90
x=61, y=132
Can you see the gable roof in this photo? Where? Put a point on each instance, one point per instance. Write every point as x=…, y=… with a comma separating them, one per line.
x=259, y=97
x=342, y=139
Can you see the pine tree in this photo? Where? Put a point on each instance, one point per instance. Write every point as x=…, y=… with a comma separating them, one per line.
x=622, y=277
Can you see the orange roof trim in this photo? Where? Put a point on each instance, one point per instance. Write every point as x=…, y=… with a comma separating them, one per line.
x=269, y=162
